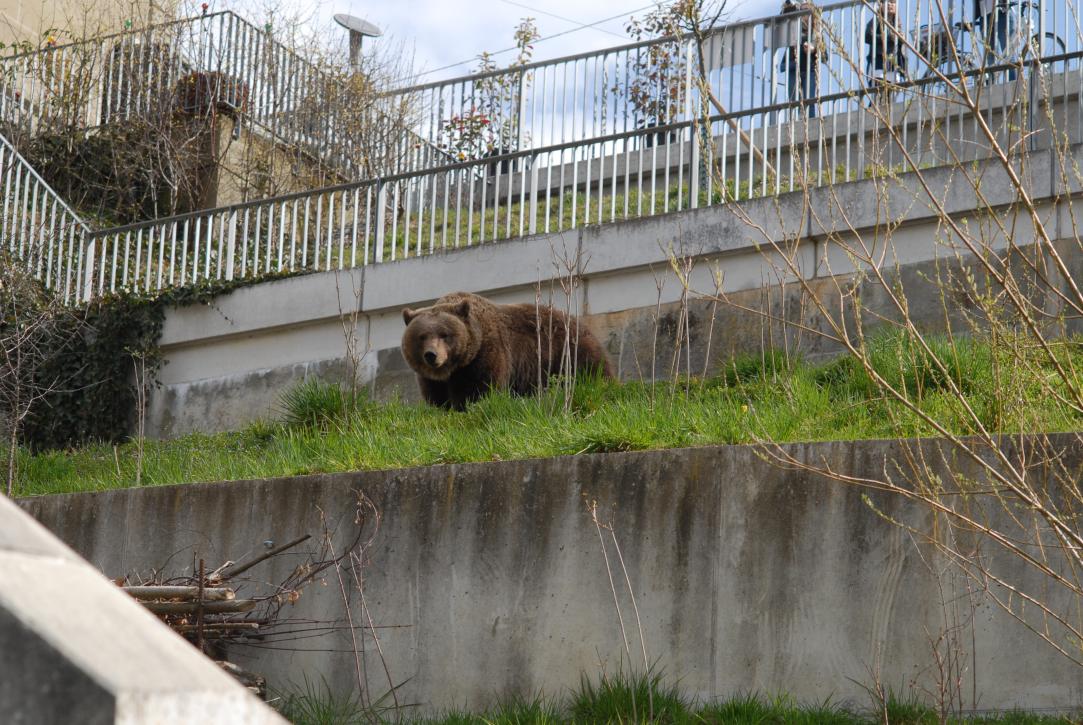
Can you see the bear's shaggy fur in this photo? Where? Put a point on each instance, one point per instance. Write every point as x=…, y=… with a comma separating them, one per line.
x=464, y=345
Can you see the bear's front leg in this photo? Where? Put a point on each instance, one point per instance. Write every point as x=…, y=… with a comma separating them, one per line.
x=435, y=392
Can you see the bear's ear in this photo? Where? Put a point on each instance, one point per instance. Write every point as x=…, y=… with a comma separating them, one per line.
x=462, y=309
x=408, y=315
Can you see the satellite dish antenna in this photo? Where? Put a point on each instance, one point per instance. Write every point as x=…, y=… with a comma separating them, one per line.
x=359, y=29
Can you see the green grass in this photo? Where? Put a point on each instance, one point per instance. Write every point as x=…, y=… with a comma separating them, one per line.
x=645, y=699
x=763, y=397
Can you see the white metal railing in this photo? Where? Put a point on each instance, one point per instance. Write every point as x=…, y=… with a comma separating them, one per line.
x=639, y=172
x=218, y=59
x=228, y=60
x=747, y=64
x=37, y=227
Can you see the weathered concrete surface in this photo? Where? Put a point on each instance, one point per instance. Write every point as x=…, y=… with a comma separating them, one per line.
x=74, y=648
x=227, y=363
x=488, y=580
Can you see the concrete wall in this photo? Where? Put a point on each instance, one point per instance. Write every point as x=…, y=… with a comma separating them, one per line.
x=488, y=580
x=74, y=648
x=228, y=362
x=30, y=20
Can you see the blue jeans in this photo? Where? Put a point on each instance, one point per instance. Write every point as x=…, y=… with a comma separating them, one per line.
x=1001, y=28
x=802, y=80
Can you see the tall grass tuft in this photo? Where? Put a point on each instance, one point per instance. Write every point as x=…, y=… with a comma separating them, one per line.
x=312, y=704
x=628, y=698
x=316, y=404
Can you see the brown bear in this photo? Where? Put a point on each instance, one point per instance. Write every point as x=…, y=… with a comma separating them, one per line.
x=464, y=345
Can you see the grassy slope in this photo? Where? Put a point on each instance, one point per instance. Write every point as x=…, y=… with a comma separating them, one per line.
x=757, y=398
x=623, y=699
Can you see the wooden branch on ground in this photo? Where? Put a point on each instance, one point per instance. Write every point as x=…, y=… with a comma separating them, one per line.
x=236, y=605
x=230, y=573
x=210, y=627
x=210, y=594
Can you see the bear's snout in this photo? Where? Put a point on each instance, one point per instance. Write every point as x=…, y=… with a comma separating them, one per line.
x=435, y=354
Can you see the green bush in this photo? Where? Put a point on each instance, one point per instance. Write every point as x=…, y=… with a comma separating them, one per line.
x=316, y=404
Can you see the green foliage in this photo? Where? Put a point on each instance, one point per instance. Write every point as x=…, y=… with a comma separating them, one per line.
x=752, y=709
x=91, y=365
x=517, y=711
x=608, y=701
x=623, y=698
x=94, y=364
x=124, y=173
x=908, y=366
x=766, y=396
x=314, y=403
x=320, y=705
x=765, y=366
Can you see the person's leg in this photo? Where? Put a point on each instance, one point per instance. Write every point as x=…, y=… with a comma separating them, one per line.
x=1006, y=38
x=1000, y=29
x=989, y=23
x=792, y=87
x=813, y=86
x=811, y=73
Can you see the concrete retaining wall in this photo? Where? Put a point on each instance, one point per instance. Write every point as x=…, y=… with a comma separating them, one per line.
x=228, y=363
x=488, y=580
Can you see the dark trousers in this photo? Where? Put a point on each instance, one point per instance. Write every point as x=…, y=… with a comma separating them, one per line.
x=802, y=79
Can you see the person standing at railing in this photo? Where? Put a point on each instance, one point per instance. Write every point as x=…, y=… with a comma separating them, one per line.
x=802, y=61
x=885, y=64
x=1000, y=25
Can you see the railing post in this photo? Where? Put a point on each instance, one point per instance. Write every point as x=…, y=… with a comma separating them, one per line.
x=533, y=194
x=693, y=171
x=381, y=206
x=231, y=244
x=88, y=270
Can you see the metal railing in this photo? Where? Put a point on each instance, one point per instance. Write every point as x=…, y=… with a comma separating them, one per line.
x=634, y=173
x=215, y=60
x=747, y=65
x=222, y=59
x=38, y=228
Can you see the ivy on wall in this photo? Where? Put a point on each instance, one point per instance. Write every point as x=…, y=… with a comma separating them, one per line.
x=90, y=368
x=89, y=372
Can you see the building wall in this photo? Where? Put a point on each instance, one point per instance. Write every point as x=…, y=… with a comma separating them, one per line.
x=35, y=20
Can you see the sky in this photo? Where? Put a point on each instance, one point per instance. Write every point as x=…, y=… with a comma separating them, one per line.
x=441, y=33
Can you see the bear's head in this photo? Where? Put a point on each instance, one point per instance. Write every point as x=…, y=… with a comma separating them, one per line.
x=439, y=339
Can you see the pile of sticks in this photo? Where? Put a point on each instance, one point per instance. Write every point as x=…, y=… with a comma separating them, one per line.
x=206, y=607
x=206, y=611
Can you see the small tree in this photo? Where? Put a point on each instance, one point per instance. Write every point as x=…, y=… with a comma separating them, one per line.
x=492, y=125
x=33, y=329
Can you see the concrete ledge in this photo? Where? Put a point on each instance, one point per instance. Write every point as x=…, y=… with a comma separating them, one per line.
x=487, y=580
x=72, y=642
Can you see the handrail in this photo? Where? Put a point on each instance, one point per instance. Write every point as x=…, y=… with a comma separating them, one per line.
x=43, y=183
x=609, y=50
x=608, y=140
x=595, y=93
x=638, y=172
x=38, y=228
x=118, y=75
